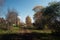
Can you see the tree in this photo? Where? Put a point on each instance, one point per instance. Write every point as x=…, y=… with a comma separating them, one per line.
x=38, y=16
x=28, y=21
x=12, y=17
x=52, y=15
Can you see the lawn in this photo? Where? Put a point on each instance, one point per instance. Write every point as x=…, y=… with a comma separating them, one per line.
x=19, y=30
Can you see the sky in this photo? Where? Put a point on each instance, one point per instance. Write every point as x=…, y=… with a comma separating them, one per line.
x=23, y=7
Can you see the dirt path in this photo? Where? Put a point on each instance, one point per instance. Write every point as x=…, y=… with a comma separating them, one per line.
x=24, y=31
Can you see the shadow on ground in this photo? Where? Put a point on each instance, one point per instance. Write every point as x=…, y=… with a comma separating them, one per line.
x=30, y=36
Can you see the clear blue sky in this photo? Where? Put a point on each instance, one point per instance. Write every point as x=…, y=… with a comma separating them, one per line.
x=24, y=7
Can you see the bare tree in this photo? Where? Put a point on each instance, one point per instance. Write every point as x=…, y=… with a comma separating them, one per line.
x=12, y=17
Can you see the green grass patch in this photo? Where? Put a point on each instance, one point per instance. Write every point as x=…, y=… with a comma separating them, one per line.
x=14, y=30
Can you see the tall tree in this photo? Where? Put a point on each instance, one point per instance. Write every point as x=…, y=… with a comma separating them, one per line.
x=12, y=18
x=38, y=16
x=52, y=15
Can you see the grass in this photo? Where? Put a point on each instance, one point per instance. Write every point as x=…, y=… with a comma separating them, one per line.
x=16, y=30
x=5, y=31
x=42, y=31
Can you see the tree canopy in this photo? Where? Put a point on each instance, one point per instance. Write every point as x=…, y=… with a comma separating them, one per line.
x=52, y=15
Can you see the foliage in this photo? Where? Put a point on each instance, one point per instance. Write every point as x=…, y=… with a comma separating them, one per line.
x=38, y=17
x=52, y=14
x=49, y=16
x=12, y=16
x=28, y=21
